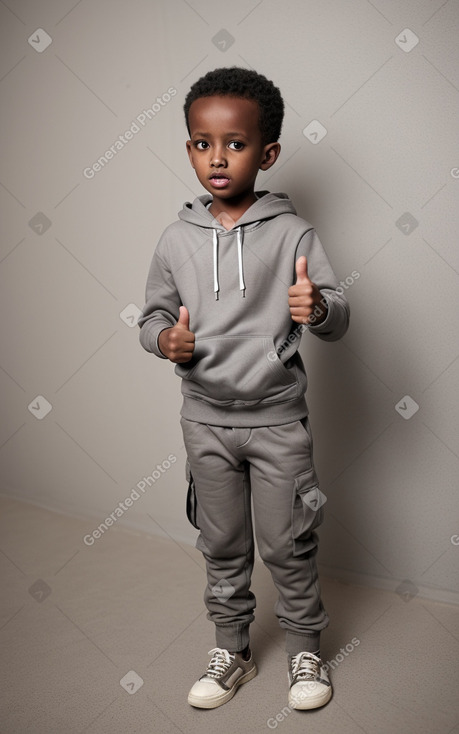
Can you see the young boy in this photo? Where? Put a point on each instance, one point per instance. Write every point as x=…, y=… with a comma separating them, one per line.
x=232, y=286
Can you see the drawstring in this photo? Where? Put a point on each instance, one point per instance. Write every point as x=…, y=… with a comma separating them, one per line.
x=240, y=241
x=215, y=248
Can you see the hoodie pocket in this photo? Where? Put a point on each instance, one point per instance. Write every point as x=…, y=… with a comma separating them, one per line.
x=307, y=511
x=238, y=368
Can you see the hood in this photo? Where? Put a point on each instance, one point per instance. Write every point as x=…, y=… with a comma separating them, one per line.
x=267, y=206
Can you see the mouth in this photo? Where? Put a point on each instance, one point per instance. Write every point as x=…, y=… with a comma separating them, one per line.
x=220, y=180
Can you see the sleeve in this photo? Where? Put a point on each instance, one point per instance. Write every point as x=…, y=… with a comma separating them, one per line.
x=320, y=272
x=161, y=310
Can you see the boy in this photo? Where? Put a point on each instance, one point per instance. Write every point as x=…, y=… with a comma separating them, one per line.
x=232, y=286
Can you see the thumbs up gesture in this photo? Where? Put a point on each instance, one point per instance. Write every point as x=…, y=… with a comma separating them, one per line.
x=304, y=298
x=177, y=342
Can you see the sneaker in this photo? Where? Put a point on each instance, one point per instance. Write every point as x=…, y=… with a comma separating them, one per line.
x=309, y=683
x=225, y=673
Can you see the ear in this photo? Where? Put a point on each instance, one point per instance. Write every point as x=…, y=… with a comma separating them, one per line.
x=270, y=155
x=189, y=150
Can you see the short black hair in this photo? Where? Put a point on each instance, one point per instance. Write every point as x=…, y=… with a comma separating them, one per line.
x=236, y=81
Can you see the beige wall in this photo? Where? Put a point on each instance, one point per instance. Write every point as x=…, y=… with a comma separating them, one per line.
x=391, y=116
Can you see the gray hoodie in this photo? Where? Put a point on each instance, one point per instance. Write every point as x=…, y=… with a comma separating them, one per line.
x=245, y=369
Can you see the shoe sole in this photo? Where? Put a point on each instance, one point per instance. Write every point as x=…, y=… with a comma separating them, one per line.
x=212, y=703
x=312, y=703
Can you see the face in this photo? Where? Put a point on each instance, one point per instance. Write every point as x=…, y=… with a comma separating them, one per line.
x=226, y=149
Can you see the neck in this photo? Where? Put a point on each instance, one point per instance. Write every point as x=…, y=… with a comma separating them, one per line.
x=228, y=212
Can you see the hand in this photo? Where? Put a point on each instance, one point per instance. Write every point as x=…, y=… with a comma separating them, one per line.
x=177, y=342
x=304, y=298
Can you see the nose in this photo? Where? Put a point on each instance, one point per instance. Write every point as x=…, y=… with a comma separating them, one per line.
x=218, y=157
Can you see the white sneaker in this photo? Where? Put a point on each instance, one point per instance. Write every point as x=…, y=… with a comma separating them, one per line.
x=225, y=673
x=309, y=683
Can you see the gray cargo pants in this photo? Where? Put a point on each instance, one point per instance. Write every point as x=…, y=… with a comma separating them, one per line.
x=273, y=465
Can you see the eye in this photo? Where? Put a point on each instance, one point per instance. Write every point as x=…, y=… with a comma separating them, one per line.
x=201, y=145
x=236, y=145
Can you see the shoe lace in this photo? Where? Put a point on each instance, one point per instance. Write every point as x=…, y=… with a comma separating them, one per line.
x=219, y=663
x=305, y=666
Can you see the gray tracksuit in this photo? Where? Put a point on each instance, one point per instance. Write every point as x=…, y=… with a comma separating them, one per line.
x=244, y=414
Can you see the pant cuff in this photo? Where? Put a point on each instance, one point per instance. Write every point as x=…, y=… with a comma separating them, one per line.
x=295, y=643
x=233, y=637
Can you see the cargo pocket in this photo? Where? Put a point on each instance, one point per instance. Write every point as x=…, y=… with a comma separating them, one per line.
x=191, y=497
x=307, y=512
